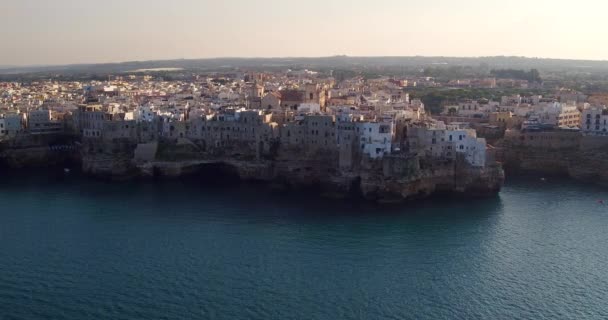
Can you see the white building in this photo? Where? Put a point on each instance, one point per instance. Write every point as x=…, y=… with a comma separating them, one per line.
x=376, y=138
x=441, y=141
x=474, y=109
x=89, y=120
x=559, y=115
x=145, y=113
x=309, y=108
x=513, y=100
x=13, y=124
x=533, y=100
x=595, y=121
x=42, y=122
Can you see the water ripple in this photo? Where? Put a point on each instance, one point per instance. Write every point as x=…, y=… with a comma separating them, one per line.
x=78, y=249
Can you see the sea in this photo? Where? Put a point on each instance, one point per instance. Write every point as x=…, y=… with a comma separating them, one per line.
x=77, y=248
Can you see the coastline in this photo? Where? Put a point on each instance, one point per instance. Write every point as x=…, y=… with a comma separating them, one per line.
x=392, y=180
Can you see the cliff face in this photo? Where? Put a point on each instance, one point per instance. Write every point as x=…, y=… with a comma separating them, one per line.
x=371, y=182
x=391, y=179
x=565, y=153
x=590, y=166
x=39, y=151
x=113, y=167
x=430, y=178
x=585, y=165
x=38, y=157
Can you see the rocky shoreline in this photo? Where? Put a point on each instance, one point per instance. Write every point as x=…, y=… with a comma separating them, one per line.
x=569, y=155
x=378, y=182
x=390, y=180
x=588, y=166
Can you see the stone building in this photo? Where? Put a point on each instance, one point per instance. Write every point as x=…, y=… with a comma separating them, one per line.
x=42, y=122
x=594, y=121
x=88, y=120
x=271, y=101
x=291, y=99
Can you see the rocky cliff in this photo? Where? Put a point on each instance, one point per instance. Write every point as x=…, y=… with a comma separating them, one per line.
x=39, y=157
x=555, y=152
x=39, y=151
x=584, y=165
x=392, y=179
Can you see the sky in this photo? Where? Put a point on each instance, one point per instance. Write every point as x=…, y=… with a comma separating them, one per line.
x=45, y=32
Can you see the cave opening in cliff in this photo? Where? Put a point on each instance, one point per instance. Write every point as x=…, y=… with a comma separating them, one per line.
x=218, y=173
x=355, y=188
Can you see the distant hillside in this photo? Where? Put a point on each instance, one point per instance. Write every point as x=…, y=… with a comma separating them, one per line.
x=336, y=62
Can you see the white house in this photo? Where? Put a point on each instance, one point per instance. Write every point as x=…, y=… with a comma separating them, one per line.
x=145, y=113
x=595, y=121
x=448, y=141
x=13, y=124
x=375, y=138
x=465, y=141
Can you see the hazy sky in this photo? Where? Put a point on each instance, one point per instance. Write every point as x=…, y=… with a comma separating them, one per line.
x=83, y=31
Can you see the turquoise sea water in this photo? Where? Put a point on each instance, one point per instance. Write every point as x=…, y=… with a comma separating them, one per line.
x=77, y=249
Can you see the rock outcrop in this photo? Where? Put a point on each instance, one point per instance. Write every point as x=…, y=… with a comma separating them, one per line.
x=391, y=179
x=584, y=165
x=565, y=153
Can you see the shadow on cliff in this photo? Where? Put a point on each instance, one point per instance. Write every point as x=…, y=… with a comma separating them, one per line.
x=219, y=186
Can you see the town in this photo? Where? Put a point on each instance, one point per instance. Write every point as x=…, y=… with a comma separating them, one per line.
x=295, y=108
x=249, y=116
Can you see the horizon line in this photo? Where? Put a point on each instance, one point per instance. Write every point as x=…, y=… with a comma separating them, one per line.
x=5, y=67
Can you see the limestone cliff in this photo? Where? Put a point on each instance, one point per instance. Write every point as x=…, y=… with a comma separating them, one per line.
x=39, y=152
x=391, y=179
x=585, y=165
x=567, y=153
